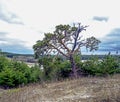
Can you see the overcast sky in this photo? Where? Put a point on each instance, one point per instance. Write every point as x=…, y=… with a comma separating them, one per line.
x=23, y=22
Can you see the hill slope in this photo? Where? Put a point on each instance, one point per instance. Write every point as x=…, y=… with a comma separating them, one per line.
x=77, y=90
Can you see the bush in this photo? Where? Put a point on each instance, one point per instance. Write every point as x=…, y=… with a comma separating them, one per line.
x=55, y=67
x=14, y=73
x=110, y=65
x=7, y=78
x=11, y=78
x=3, y=63
x=65, y=69
x=92, y=66
x=107, y=66
x=36, y=74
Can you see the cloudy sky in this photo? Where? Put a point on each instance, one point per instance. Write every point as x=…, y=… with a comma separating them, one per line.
x=23, y=22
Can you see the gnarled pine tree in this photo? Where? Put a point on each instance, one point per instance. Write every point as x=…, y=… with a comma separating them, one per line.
x=67, y=41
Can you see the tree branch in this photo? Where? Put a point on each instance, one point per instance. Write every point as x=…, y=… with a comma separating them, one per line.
x=68, y=50
x=58, y=50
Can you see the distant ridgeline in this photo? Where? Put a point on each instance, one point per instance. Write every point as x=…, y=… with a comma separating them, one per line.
x=20, y=57
x=30, y=57
x=11, y=55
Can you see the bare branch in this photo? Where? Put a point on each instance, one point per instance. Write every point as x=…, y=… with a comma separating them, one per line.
x=59, y=50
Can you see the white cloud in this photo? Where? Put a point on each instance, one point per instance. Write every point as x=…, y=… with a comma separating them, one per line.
x=44, y=15
x=25, y=34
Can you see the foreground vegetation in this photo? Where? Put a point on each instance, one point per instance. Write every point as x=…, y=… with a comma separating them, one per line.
x=92, y=89
x=14, y=73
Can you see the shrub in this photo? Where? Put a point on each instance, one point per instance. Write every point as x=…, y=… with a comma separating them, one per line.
x=7, y=77
x=110, y=65
x=65, y=69
x=107, y=66
x=92, y=66
x=14, y=73
x=55, y=67
x=3, y=63
x=36, y=74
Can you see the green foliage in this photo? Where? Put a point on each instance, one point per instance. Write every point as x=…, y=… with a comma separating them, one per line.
x=3, y=63
x=55, y=68
x=6, y=77
x=91, y=67
x=36, y=74
x=19, y=78
x=107, y=66
x=65, y=69
x=14, y=73
x=11, y=78
x=110, y=65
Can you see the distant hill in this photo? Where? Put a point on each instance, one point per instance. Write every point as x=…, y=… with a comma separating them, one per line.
x=11, y=55
x=15, y=55
x=27, y=58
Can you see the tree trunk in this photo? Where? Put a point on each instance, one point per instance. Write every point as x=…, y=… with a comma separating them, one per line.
x=73, y=65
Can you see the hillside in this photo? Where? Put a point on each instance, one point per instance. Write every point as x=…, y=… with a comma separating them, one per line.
x=77, y=90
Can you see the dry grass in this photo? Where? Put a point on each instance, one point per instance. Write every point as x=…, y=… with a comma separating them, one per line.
x=77, y=90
